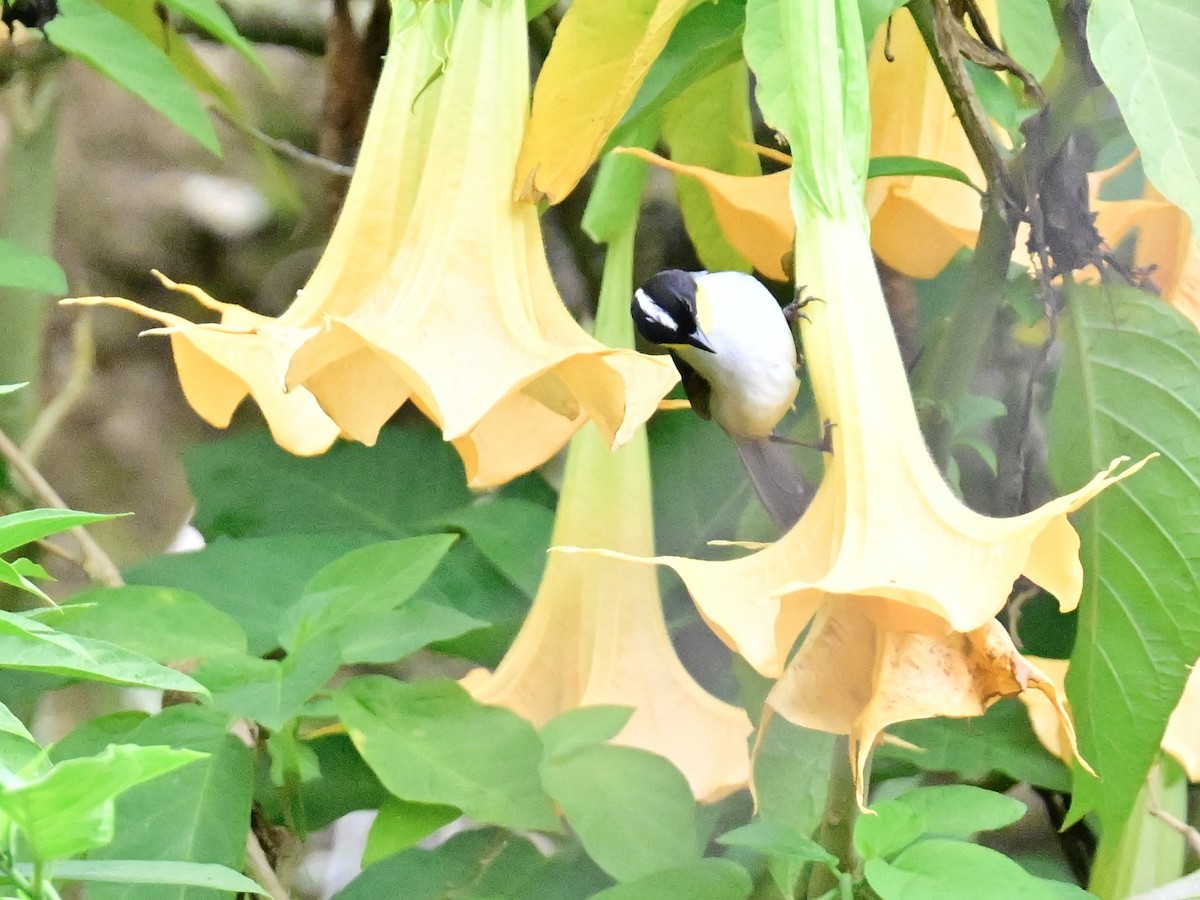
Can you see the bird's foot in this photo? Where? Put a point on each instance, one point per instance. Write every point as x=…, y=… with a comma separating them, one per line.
x=824, y=445
x=795, y=309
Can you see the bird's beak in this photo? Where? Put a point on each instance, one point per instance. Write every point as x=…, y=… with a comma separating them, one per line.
x=698, y=339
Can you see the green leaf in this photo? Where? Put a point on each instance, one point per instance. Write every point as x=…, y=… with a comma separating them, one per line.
x=117, y=50
x=951, y=870
x=893, y=827
x=247, y=486
x=706, y=40
x=1001, y=740
x=791, y=774
x=401, y=824
x=17, y=747
x=164, y=624
x=1129, y=385
x=391, y=636
x=253, y=580
x=1146, y=53
x=423, y=740
x=198, y=814
x=704, y=879
x=632, y=810
x=20, y=528
x=268, y=691
x=772, y=839
x=583, y=727
x=961, y=810
x=343, y=600
x=69, y=809
x=513, y=536
x=141, y=871
x=209, y=16
x=28, y=270
x=885, y=166
x=874, y=13
x=28, y=644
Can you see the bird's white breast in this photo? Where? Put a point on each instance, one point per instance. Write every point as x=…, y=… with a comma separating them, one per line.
x=753, y=371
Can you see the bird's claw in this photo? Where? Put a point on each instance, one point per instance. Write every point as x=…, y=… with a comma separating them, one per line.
x=794, y=310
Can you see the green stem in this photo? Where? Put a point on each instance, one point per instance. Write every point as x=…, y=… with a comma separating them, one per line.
x=27, y=218
x=837, y=825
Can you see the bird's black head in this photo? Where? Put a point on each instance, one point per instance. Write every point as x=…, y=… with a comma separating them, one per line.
x=664, y=310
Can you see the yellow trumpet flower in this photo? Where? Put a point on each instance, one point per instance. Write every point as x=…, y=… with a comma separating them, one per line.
x=856, y=675
x=434, y=286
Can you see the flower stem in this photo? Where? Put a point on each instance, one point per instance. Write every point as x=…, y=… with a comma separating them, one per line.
x=837, y=825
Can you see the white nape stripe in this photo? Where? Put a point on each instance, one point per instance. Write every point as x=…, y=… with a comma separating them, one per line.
x=654, y=311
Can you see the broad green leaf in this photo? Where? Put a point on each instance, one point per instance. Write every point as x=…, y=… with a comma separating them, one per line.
x=400, y=824
x=952, y=870
x=423, y=740
x=961, y=810
x=791, y=774
x=199, y=814
x=512, y=534
x=884, y=166
x=20, y=528
x=391, y=636
x=247, y=486
x=28, y=644
x=118, y=51
x=632, y=810
x=1129, y=385
x=773, y=839
x=346, y=784
x=704, y=879
x=893, y=827
x=17, y=574
x=710, y=125
x=350, y=593
x=253, y=580
x=706, y=40
x=70, y=809
x=1146, y=53
x=266, y=690
x=582, y=727
x=164, y=624
x=141, y=871
x=23, y=268
x=209, y=16
x=1001, y=740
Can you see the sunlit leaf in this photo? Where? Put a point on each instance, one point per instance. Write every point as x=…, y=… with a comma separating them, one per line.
x=939, y=870
x=209, y=16
x=141, y=871
x=1130, y=384
x=1145, y=52
x=119, y=51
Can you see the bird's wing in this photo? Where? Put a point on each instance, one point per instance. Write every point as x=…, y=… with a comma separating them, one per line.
x=697, y=388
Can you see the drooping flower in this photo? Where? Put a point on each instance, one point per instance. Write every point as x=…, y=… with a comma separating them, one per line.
x=596, y=633
x=435, y=285
x=883, y=524
x=856, y=674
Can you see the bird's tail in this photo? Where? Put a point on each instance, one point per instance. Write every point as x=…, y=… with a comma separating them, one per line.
x=779, y=485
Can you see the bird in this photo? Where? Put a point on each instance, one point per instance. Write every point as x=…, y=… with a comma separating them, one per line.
x=736, y=356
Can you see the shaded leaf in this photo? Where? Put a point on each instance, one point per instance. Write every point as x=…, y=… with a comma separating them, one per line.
x=400, y=824
x=632, y=810
x=1130, y=384
x=582, y=727
x=209, y=16
x=883, y=166
x=512, y=534
x=117, y=50
x=950, y=870
x=893, y=827
x=961, y=810
x=423, y=739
